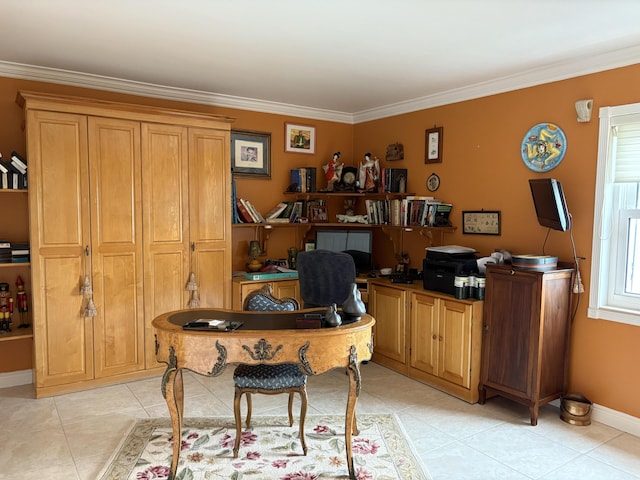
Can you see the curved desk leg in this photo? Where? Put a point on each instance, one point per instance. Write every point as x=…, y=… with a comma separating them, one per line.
x=175, y=403
x=350, y=417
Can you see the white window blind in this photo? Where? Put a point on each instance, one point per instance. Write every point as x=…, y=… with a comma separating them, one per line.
x=626, y=149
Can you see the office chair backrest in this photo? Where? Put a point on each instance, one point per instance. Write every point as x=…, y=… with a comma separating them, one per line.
x=325, y=277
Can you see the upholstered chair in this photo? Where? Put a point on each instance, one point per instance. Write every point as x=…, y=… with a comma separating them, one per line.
x=325, y=277
x=268, y=379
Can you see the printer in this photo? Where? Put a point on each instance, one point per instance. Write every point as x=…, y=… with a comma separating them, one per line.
x=442, y=264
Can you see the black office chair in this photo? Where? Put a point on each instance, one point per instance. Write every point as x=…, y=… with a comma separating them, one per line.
x=325, y=277
x=268, y=379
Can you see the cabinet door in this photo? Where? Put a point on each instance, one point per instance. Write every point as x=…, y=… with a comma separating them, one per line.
x=424, y=333
x=388, y=307
x=511, y=307
x=454, y=361
x=116, y=245
x=165, y=207
x=210, y=215
x=287, y=288
x=59, y=233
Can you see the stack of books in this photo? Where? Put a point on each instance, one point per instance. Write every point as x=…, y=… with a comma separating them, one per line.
x=13, y=173
x=5, y=251
x=20, y=252
x=303, y=179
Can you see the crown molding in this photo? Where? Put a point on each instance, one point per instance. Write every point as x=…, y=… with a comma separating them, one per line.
x=86, y=80
x=528, y=78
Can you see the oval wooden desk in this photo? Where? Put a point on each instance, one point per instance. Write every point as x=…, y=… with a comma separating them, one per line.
x=264, y=337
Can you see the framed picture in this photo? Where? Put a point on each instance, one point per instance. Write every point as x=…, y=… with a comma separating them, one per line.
x=250, y=154
x=299, y=138
x=481, y=222
x=433, y=145
x=319, y=214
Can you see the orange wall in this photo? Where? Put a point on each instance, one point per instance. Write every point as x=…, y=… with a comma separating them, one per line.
x=481, y=169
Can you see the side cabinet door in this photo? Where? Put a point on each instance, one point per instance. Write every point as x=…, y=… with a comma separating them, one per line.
x=424, y=333
x=388, y=307
x=210, y=215
x=116, y=245
x=59, y=233
x=455, y=342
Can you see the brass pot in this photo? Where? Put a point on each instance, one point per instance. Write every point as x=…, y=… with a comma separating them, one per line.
x=575, y=409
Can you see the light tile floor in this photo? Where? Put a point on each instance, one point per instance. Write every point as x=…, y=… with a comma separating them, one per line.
x=71, y=436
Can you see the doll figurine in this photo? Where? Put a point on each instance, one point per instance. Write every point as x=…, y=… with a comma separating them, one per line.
x=369, y=174
x=332, y=171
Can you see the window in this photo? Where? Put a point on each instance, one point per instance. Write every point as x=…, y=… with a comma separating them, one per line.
x=615, y=273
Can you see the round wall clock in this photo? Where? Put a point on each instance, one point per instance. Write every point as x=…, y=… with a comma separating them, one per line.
x=543, y=147
x=433, y=182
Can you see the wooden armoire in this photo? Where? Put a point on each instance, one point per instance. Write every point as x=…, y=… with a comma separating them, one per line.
x=134, y=199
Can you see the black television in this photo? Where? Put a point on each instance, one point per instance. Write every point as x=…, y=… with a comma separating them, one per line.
x=355, y=242
x=550, y=204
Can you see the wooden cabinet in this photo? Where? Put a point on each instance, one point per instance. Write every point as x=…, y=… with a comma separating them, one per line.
x=526, y=335
x=446, y=336
x=287, y=287
x=430, y=336
x=134, y=198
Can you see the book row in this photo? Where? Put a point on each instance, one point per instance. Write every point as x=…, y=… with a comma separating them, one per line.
x=13, y=173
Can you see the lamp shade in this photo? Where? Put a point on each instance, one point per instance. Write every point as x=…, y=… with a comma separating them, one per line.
x=254, y=249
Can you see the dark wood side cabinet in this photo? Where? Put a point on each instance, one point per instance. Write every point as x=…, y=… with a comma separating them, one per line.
x=526, y=335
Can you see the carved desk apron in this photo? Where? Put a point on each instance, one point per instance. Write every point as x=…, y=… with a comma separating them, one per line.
x=263, y=337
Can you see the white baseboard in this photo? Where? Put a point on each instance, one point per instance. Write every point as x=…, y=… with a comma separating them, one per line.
x=13, y=379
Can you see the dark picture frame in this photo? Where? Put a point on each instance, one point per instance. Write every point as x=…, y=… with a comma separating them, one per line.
x=251, y=154
x=433, y=145
x=481, y=222
x=299, y=138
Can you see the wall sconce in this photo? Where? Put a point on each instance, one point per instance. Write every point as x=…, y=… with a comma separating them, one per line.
x=583, y=109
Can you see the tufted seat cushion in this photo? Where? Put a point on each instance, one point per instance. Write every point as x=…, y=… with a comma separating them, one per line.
x=269, y=377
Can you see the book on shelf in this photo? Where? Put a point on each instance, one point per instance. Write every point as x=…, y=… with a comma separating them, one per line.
x=255, y=213
x=19, y=162
x=243, y=213
x=284, y=216
x=276, y=211
x=304, y=179
x=235, y=217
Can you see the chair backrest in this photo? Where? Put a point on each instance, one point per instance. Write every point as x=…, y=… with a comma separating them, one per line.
x=325, y=277
x=262, y=300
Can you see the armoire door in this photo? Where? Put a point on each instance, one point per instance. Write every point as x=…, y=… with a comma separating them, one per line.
x=165, y=186
x=210, y=215
x=59, y=234
x=116, y=245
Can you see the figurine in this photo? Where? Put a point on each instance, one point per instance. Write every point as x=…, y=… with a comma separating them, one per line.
x=22, y=301
x=369, y=175
x=332, y=317
x=333, y=171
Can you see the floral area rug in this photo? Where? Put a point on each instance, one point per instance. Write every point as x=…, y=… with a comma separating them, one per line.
x=270, y=449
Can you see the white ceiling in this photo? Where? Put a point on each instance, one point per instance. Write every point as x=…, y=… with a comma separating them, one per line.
x=345, y=60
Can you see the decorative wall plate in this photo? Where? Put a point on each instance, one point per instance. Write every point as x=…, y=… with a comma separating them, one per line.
x=543, y=147
x=433, y=182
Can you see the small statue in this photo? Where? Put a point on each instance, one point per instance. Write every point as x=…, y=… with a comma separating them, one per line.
x=369, y=174
x=331, y=316
x=333, y=171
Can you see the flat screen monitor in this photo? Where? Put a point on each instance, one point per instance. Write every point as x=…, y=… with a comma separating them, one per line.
x=356, y=243
x=550, y=204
